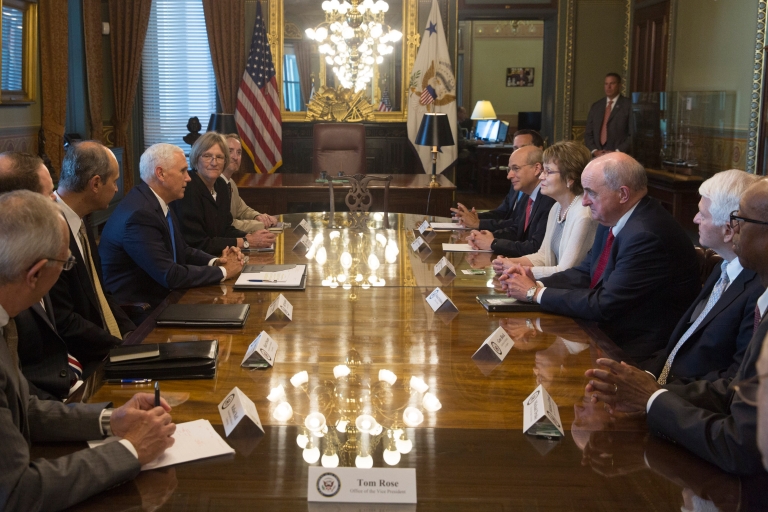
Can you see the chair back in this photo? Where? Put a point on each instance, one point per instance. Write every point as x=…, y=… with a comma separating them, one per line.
x=359, y=198
x=338, y=147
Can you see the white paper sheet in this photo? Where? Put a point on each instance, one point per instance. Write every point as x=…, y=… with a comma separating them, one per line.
x=283, y=278
x=461, y=248
x=448, y=225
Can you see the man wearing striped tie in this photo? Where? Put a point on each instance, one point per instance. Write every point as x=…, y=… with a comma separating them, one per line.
x=711, y=338
x=88, y=319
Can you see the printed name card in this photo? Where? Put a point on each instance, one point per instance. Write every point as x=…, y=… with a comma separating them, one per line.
x=540, y=415
x=444, y=268
x=234, y=408
x=419, y=244
x=302, y=228
x=423, y=227
x=280, y=304
x=354, y=485
x=261, y=350
x=495, y=347
x=440, y=303
x=302, y=246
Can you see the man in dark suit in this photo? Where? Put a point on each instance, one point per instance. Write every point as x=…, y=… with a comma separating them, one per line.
x=35, y=248
x=526, y=234
x=639, y=276
x=609, y=126
x=715, y=420
x=503, y=216
x=143, y=255
x=87, y=318
x=710, y=340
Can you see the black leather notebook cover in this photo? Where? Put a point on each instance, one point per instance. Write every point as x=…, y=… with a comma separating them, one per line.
x=204, y=315
x=179, y=360
x=502, y=303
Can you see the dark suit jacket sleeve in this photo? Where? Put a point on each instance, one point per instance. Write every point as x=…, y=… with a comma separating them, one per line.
x=144, y=243
x=641, y=267
x=490, y=220
x=504, y=245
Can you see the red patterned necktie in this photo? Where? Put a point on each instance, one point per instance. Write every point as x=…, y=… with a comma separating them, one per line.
x=603, y=260
x=528, y=213
x=604, y=129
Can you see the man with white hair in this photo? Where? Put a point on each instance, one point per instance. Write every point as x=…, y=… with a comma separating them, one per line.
x=710, y=339
x=34, y=247
x=143, y=253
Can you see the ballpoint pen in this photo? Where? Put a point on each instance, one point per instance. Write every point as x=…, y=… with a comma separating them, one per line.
x=129, y=381
x=157, y=393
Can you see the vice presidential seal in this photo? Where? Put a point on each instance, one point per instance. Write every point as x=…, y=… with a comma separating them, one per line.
x=328, y=485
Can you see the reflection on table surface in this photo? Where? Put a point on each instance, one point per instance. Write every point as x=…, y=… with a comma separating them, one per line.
x=472, y=452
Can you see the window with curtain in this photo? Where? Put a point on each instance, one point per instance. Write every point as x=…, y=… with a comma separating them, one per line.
x=12, y=48
x=177, y=74
x=291, y=85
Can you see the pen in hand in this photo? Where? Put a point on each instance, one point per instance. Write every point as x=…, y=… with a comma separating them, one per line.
x=157, y=393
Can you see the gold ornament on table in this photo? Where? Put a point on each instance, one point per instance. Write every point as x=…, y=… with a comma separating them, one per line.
x=340, y=105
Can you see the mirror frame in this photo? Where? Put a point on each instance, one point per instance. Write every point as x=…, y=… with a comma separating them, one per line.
x=411, y=38
x=28, y=92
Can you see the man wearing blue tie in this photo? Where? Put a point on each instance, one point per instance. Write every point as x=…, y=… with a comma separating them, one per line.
x=143, y=254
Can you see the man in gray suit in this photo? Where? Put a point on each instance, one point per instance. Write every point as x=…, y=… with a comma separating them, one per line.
x=244, y=217
x=714, y=420
x=34, y=248
x=609, y=127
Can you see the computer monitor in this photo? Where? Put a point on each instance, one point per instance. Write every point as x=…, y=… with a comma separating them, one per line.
x=483, y=129
x=503, y=129
x=493, y=132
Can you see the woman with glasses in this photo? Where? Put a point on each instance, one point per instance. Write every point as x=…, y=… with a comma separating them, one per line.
x=204, y=211
x=570, y=228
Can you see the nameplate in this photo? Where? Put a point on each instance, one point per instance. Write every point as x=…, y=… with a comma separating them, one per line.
x=444, y=268
x=495, y=347
x=540, y=415
x=419, y=244
x=423, y=227
x=261, y=352
x=440, y=303
x=280, y=304
x=302, y=228
x=302, y=246
x=354, y=485
x=234, y=408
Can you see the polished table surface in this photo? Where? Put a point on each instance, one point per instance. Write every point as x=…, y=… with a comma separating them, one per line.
x=469, y=455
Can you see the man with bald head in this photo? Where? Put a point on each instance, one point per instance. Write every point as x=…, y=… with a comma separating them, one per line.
x=641, y=273
x=88, y=319
x=526, y=233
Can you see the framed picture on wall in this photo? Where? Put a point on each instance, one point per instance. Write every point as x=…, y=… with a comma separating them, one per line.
x=520, y=77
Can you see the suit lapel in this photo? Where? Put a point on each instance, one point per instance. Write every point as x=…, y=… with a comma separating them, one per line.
x=155, y=204
x=81, y=270
x=732, y=293
x=44, y=313
x=615, y=108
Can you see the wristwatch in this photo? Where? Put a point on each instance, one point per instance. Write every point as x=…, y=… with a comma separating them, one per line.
x=106, y=418
x=246, y=245
x=530, y=295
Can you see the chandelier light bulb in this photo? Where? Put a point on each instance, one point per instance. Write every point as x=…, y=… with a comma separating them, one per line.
x=341, y=370
x=321, y=33
x=345, y=260
x=328, y=60
x=341, y=426
x=379, y=59
x=283, y=412
x=299, y=379
x=310, y=32
x=322, y=256
x=403, y=444
x=365, y=423
x=334, y=235
x=381, y=238
x=364, y=461
x=315, y=422
x=387, y=376
x=412, y=417
x=373, y=262
x=391, y=457
x=341, y=278
x=330, y=461
x=395, y=35
x=311, y=454
x=276, y=394
x=431, y=403
x=302, y=440
x=418, y=385
x=378, y=429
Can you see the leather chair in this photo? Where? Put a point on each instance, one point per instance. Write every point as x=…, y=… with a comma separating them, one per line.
x=338, y=147
x=708, y=260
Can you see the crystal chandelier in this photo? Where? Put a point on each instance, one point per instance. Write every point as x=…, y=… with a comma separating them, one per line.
x=355, y=39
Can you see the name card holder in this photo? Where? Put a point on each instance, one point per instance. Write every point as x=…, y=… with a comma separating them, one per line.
x=492, y=351
x=261, y=352
x=302, y=228
x=302, y=246
x=354, y=485
x=541, y=416
x=234, y=408
x=425, y=231
x=280, y=305
x=440, y=303
x=419, y=245
x=445, y=268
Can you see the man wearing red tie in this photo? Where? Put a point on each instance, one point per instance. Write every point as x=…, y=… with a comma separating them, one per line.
x=608, y=126
x=641, y=273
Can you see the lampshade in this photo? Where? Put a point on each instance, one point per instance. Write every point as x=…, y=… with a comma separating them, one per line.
x=222, y=123
x=483, y=110
x=435, y=130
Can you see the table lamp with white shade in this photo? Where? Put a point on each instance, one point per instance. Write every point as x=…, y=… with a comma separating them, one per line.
x=483, y=110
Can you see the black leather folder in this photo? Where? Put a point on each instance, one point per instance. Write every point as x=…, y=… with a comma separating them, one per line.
x=179, y=360
x=204, y=315
x=502, y=303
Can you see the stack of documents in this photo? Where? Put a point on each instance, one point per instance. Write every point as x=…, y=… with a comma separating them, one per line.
x=273, y=276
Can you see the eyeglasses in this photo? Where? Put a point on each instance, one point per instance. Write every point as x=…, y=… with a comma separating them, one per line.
x=67, y=264
x=747, y=389
x=736, y=220
x=207, y=157
x=546, y=172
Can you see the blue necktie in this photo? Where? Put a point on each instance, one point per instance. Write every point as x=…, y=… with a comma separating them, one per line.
x=173, y=236
x=717, y=292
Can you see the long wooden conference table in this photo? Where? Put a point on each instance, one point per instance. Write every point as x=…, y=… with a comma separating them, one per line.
x=469, y=455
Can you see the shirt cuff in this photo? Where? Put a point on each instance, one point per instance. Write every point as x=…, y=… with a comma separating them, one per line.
x=224, y=272
x=130, y=447
x=653, y=397
x=212, y=263
x=540, y=292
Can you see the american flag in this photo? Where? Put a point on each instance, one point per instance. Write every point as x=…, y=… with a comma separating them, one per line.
x=258, y=104
x=385, y=105
x=428, y=95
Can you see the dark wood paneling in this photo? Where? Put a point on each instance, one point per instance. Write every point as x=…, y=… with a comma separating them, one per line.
x=650, y=35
